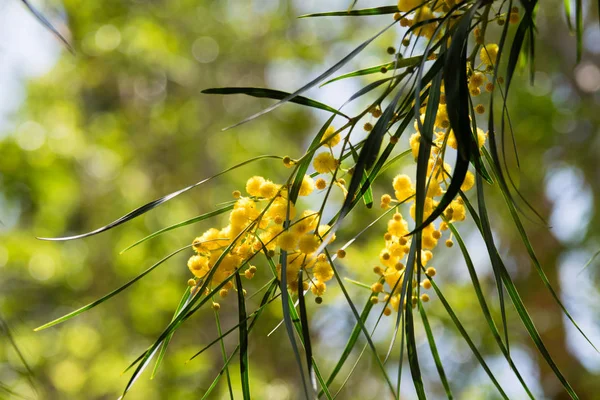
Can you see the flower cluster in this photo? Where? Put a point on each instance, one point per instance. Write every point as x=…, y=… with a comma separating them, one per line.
x=257, y=223
x=397, y=241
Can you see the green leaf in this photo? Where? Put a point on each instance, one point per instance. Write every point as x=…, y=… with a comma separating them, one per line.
x=579, y=27
x=355, y=13
x=411, y=347
x=165, y=344
x=467, y=338
x=368, y=196
x=457, y=101
x=512, y=291
x=243, y=338
x=273, y=94
x=481, y=298
x=153, y=204
x=48, y=25
x=362, y=325
x=434, y=352
x=111, y=294
x=318, y=79
x=400, y=63
x=533, y=257
x=306, y=332
x=179, y=225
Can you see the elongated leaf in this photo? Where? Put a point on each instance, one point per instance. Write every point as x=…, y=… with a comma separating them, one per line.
x=362, y=325
x=355, y=13
x=179, y=225
x=220, y=374
x=368, y=196
x=366, y=89
x=400, y=63
x=535, y=261
x=273, y=94
x=434, y=352
x=306, y=332
x=224, y=354
x=411, y=347
x=111, y=294
x=467, y=338
x=48, y=25
x=243, y=330
x=153, y=204
x=512, y=291
x=482, y=301
x=579, y=27
x=318, y=79
x=165, y=344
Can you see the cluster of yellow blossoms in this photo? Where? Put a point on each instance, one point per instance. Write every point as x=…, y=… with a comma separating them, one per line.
x=397, y=243
x=256, y=224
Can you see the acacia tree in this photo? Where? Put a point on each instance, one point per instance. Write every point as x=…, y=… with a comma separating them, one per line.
x=445, y=85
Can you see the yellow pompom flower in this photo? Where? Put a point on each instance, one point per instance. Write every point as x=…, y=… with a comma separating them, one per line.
x=324, y=231
x=279, y=209
x=287, y=241
x=459, y=213
x=408, y=5
x=253, y=185
x=397, y=228
x=307, y=222
x=476, y=80
x=468, y=182
x=198, y=266
x=321, y=184
x=441, y=118
x=481, y=137
x=318, y=288
x=429, y=239
x=322, y=271
x=239, y=217
x=308, y=243
x=268, y=189
x=392, y=278
x=328, y=140
x=324, y=162
x=403, y=187
x=488, y=54
x=307, y=186
x=414, y=142
x=452, y=140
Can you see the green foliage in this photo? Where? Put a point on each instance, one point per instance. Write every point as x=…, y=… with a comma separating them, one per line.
x=141, y=131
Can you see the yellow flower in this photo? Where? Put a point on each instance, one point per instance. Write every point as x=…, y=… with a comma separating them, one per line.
x=469, y=182
x=322, y=271
x=198, y=265
x=268, y=189
x=408, y=5
x=324, y=231
x=287, y=241
x=481, y=137
x=307, y=186
x=414, y=141
x=278, y=209
x=488, y=54
x=253, y=185
x=307, y=222
x=403, y=187
x=324, y=162
x=397, y=228
x=328, y=140
x=308, y=243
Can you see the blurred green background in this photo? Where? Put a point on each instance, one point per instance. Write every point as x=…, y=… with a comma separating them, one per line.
x=86, y=138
